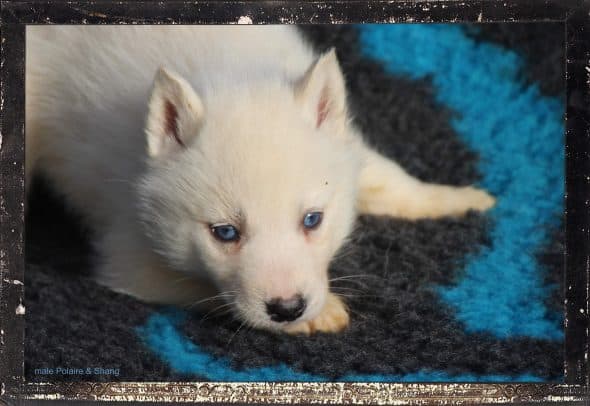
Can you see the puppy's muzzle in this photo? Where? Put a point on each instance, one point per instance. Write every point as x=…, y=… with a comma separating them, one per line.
x=286, y=309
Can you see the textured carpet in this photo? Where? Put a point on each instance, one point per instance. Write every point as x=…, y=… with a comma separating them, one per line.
x=471, y=299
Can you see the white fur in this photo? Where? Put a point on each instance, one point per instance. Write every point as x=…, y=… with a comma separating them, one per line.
x=261, y=137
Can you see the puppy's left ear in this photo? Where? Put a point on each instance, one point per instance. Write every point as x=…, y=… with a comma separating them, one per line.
x=175, y=114
x=322, y=91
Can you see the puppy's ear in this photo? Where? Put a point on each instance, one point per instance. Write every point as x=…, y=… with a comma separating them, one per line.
x=322, y=91
x=175, y=114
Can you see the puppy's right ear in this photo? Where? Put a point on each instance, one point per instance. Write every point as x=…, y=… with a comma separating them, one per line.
x=175, y=114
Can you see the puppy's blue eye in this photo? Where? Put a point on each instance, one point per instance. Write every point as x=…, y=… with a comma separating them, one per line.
x=225, y=233
x=312, y=220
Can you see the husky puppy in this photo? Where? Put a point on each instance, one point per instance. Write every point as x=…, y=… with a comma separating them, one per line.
x=213, y=160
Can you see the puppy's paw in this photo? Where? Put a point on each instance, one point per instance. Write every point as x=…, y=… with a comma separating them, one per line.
x=476, y=199
x=333, y=318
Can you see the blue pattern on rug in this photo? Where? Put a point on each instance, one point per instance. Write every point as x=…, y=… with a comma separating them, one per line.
x=501, y=290
x=162, y=334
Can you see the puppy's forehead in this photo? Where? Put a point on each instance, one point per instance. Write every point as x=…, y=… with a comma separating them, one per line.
x=263, y=141
x=270, y=182
x=280, y=192
x=260, y=154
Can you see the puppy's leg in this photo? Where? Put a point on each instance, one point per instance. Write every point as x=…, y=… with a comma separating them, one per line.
x=333, y=318
x=130, y=267
x=386, y=189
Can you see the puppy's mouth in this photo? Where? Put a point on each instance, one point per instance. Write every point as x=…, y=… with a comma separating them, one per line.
x=276, y=313
x=273, y=314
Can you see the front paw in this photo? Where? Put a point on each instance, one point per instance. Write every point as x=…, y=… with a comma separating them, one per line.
x=333, y=318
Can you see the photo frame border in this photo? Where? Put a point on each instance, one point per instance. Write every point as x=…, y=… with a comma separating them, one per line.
x=575, y=14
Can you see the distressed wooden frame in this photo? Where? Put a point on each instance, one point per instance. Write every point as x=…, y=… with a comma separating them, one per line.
x=16, y=15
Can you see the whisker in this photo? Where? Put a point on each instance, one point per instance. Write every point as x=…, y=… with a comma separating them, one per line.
x=221, y=295
x=346, y=289
x=351, y=285
x=348, y=296
x=214, y=316
x=363, y=275
x=234, y=334
x=353, y=253
x=362, y=316
x=214, y=310
x=344, y=254
x=351, y=281
x=355, y=296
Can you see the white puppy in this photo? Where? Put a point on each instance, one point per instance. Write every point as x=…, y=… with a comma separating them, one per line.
x=235, y=170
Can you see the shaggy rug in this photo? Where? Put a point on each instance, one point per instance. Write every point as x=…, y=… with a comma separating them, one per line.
x=477, y=298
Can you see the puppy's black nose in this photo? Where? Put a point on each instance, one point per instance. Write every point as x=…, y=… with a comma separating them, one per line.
x=285, y=310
